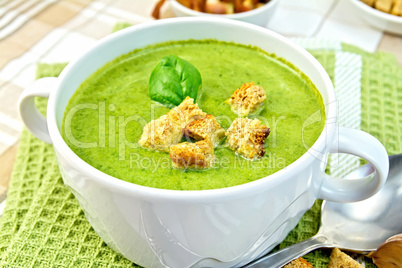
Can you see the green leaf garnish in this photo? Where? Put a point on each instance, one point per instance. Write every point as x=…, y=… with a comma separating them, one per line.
x=172, y=80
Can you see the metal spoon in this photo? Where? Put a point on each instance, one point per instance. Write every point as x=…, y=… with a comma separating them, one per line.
x=360, y=227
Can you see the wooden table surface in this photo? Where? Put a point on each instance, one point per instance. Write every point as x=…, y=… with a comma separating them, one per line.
x=389, y=43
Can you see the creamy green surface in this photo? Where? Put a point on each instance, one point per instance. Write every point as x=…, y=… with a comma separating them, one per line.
x=105, y=117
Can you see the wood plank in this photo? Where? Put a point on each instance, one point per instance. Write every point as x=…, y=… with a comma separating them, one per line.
x=7, y=160
x=393, y=44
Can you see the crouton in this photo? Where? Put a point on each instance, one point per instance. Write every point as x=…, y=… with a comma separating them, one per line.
x=218, y=7
x=160, y=134
x=167, y=130
x=206, y=128
x=247, y=137
x=383, y=5
x=186, y=112
x=397, y=8
x=299, y=263
x=247, y=99
x=199, y=155
x=339, y=259
x=369, y=2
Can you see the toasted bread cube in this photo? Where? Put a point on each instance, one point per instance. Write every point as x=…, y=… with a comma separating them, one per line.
x=206, y=128
x=186, y=112
x=218, y=7
x=369, y=2
x=397, y=8
x=299, y=263
x=338, y=259
x=247, y=99
x=247, y=137
x=166, y=131
x=383, y=5
x=160, y=134
x=199, y=155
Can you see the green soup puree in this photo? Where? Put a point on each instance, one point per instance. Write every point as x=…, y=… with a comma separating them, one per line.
x=105, y=117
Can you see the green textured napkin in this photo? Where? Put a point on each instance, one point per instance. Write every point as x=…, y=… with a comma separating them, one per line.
x=381, y=92
x=43, y=225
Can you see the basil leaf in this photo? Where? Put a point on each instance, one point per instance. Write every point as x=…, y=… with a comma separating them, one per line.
x=172, y=80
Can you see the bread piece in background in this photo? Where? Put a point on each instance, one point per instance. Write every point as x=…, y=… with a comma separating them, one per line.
x=383, y=5
x=197, y=5
x=218, y=7
x=369, y=2
x=397, y=8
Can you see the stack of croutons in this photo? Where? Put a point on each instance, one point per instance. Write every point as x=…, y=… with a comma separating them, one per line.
x=203, y=132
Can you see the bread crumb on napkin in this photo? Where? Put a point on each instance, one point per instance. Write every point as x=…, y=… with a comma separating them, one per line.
x=299, y=263
x=340, y=259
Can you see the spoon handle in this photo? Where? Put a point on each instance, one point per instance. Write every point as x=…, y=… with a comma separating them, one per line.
x=283, y=256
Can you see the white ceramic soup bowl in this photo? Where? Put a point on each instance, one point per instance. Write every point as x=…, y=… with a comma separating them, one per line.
x=211, y=228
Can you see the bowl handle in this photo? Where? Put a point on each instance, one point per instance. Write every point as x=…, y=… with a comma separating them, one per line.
x=32, y=118
x=362, y=144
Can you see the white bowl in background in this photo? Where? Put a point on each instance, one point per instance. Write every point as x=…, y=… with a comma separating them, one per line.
x=377, y=19
x=259, y=16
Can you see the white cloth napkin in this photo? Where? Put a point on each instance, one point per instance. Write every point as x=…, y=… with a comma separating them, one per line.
x=333, y=19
